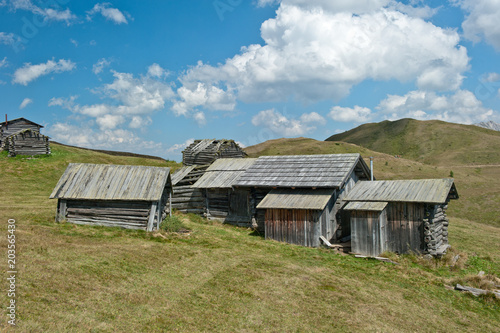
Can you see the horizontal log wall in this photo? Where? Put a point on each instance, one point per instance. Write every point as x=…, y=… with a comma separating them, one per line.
x=27, y=143
x=217, y=203
x=187, y=199
x=125, y=214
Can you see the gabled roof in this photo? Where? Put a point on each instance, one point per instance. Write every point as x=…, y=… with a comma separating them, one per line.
x=224, y=172
x=19, y=119
x=111, y=182
x=421, y=190
x=306, y=171
x=285, y=198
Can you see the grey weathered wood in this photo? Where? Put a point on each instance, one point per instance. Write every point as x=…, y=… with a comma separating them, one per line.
x=152, y=216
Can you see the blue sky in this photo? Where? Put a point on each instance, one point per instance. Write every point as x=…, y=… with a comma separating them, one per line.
x=152, y=76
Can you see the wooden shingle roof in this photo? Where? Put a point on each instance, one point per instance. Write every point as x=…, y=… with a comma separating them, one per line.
x=285, y=198
x=306, y=171
x=224, y=172
x=111, y=182
x=421, y=190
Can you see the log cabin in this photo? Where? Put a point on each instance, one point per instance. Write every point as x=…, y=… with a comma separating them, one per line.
x=296, y=199
x=222, y=201
x=15, y=126
x=26, y=142
x=133, y=197
x=204, y=152
x=400, y=216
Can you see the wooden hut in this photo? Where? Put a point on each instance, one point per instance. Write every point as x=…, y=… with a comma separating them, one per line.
x=400, y=216
x=134, y=197
x=297, y=198
x=186, y=198
x=26, y=142
x=203, y=152
x=13, y=126
x=222, y=201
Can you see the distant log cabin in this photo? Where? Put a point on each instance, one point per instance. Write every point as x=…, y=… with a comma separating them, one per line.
x=133, y=197
x=204, y=152
x=23, y=139
x=400, y=216
x=26, y=142
x=296, y=199
x=222, y=201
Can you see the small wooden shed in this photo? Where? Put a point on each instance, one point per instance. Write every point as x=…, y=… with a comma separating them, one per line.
x=27, y=142
x=297, y=198
x=400, y=216
x=299, y=216
x=222, y=201
x=202, y=152
x=133, y=197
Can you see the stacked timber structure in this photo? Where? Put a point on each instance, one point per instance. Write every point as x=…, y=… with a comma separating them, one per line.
x=222, y=201
x=296, y=199
x=133, y=197
x=400, y=216
x=22, y=137
x=26, y=142
x=204, y=152
x=186, y=198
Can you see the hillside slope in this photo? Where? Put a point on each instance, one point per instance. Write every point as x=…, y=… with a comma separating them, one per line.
x=222, y=278
x=432, y=142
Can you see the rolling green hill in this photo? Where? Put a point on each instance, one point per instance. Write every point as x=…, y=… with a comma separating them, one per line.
x=432, y=142
x=222, y=278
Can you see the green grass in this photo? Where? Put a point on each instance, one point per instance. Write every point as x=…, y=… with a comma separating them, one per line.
x=432, y=142
x=223, y=278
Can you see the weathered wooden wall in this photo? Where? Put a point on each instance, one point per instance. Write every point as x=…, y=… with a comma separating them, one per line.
x=295, y=226
x=187, y=199
x=206, y=151
x=217, y=203
x=27, y=142
x=259, y=215
x=125, y=214
x=405, y=227
x=369, y=232
x=16, y=126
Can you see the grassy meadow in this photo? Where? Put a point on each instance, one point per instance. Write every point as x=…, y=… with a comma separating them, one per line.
x=221, y=278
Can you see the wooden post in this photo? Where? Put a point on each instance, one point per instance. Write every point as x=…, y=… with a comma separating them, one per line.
x=61, y=210
x=152, y=214
x=206, y=202
x=170, y=203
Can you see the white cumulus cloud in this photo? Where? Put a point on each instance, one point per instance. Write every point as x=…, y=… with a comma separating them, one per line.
x=54, y=13
x=25, y=103
x=100, y=65
x=321, y=50
x=356, y=114
x=461, y=106
x=110, y=13
x=285, y=126
x=29, y=72
x=482, y=21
